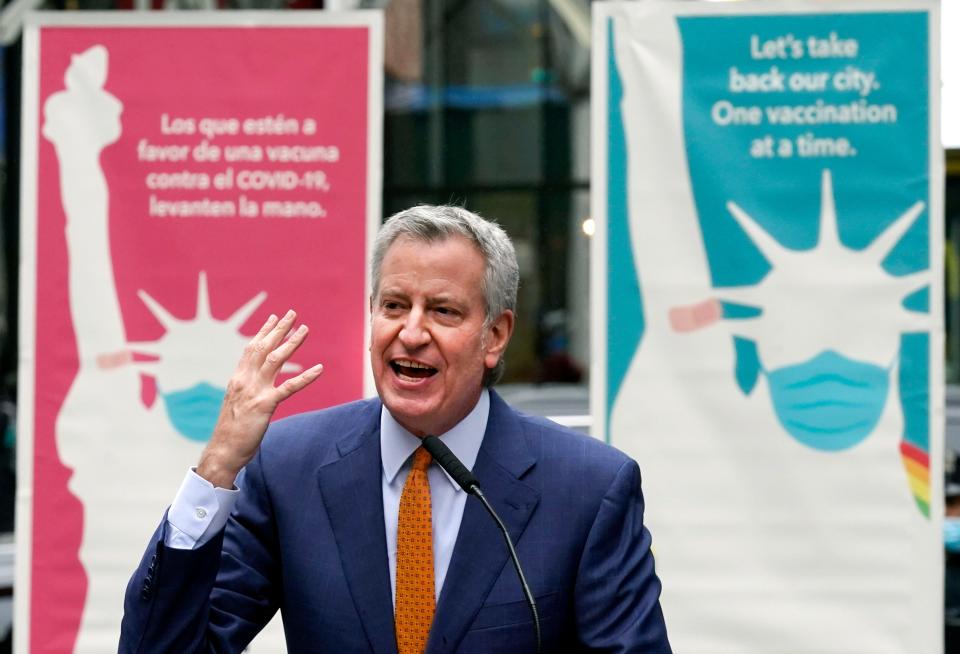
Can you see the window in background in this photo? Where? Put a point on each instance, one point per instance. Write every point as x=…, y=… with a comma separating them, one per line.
x=486, y=106
x=952, y=266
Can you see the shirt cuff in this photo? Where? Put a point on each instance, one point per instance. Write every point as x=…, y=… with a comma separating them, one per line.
x=198, y=513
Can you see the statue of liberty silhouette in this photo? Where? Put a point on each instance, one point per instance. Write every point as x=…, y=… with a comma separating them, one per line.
x=127, y=454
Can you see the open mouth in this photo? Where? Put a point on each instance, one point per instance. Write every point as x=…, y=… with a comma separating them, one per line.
x=411, y=370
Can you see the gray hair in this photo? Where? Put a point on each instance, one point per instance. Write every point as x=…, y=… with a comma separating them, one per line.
x=429, y=224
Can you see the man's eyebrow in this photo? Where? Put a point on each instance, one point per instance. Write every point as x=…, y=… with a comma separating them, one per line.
x=444, y=298
x=393, y=292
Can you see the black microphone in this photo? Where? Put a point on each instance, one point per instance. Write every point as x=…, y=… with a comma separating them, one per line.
x=449, y=462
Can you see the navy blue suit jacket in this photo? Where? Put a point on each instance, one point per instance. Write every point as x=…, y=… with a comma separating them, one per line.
x=307, y=537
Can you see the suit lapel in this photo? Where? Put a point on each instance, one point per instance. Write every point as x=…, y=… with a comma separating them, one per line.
x=352, y=494
x=480, y=553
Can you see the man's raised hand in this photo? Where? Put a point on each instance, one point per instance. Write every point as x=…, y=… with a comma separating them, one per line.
x=252, y=397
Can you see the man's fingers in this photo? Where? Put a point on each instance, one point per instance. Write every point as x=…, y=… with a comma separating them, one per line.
x=253, y=346
x=275, y=360
x=294, y=384
x=267, y=326
x=263, y=346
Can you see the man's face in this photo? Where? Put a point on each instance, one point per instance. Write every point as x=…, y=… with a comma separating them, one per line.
x=429, y=348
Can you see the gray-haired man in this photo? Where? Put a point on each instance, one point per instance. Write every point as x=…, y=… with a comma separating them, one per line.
x=342, y=523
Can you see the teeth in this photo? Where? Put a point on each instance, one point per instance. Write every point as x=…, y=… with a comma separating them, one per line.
x=406, y=363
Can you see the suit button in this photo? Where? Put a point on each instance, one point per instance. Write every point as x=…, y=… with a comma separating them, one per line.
x=145, y=594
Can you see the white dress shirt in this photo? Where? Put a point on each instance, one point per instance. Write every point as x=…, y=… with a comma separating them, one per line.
x=447, y=499
x=199, y=510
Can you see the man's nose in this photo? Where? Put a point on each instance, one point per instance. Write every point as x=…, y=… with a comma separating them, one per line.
x=414, y=332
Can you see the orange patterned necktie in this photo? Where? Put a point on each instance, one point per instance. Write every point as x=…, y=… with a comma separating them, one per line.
x=415, y=597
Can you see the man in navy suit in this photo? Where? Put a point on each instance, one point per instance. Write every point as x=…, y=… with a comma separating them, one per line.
x=302, y=517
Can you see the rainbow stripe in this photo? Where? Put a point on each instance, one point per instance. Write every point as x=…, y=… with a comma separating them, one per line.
x=916, y=462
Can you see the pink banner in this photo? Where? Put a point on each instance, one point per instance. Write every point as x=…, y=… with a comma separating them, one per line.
x=191, y=180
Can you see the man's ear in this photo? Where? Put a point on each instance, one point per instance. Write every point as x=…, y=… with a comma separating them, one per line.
x=370, y=342
x=497, y=338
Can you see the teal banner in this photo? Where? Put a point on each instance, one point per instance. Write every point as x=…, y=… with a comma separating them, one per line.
x=808, y=156
x=768, y=281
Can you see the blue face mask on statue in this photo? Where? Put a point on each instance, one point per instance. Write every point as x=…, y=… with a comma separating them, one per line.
x=951, y=534
x=194, y=411
x=830, y=402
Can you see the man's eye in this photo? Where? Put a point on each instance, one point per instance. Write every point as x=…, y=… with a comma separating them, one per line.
x=391, y=306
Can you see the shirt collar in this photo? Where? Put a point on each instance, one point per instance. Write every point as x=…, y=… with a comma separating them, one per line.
x=397, y=444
